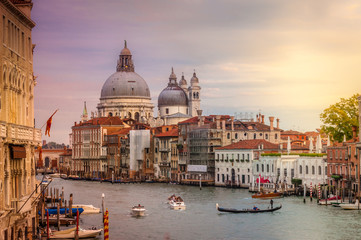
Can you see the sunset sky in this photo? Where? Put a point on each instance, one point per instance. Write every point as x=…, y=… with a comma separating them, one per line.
x=289, y=59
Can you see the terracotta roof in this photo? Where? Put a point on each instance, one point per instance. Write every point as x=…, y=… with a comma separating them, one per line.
x=291, y=132
x=123, y=131
x=171, y=133
x=102, y=121
x=250, y=144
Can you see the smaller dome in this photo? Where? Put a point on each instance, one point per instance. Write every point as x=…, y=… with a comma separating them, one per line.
x=172, y=96
x=183, y=81
x=125, y=51
x=194, y=79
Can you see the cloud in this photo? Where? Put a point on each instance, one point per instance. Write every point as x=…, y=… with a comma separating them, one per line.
x=277, y=56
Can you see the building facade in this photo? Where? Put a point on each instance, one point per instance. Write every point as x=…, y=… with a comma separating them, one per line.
x=18, y=137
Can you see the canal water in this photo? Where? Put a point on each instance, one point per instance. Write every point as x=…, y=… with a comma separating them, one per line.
x=201, y=220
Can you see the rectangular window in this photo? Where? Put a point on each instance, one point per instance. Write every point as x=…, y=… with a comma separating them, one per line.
x=292, y=173
x=285, y=172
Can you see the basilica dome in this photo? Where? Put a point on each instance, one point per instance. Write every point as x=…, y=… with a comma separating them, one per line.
x=172, y=96
x=125, y=84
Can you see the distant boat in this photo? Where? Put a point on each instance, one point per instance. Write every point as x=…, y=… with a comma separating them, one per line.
x=267, y=195
x=54, y=175
x=138, y=211
x=233, y=210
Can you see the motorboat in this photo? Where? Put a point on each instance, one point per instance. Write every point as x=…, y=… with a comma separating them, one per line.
x=253, y=210
x=54, y=175
x=330, y=200
x=138, y=210
x=88, y=209
x=70, y=233
x=351, y=206
x=177, y=205
x=268, y=195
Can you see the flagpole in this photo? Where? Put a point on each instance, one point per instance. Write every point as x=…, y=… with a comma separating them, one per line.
x=49, y=118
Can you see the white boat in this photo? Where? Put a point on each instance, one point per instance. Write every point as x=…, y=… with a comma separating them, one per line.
x=351, y=206
x=54, y=175
x=70, y=233
x=138, y=210
x=88, y=209
x=177, y=205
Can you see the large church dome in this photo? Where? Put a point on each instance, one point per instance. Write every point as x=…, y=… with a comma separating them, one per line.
x=125, y=84
x=172, y=95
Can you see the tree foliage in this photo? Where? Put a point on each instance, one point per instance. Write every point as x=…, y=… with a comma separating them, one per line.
x=339, y=118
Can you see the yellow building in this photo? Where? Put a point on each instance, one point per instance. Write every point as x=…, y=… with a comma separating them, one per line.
x=18, y=137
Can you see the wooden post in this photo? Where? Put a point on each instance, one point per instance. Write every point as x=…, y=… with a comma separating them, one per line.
x=71, y=205
x=58, y=217
x=103, y=196
x=42, y=213
x=62, y=196
x=57, y=196
x=66, y=212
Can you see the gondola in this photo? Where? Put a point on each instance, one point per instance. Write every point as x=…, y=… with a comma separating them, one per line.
x=233, y=210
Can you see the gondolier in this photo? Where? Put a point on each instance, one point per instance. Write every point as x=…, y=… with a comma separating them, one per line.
x=271, y=202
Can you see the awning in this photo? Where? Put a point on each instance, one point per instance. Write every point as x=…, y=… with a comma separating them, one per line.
x=18, y=152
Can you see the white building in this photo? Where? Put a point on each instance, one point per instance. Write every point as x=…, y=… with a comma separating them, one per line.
x=284, y=168
x=234, y=163
x=139, y=141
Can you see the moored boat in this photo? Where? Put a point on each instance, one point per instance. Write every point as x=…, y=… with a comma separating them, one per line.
x=330, y=200
x=267, y=195
x=70, y=233
x=351, y=206
x=138, y=210
x=53, y=211
x=233, y=210
x=88, y=209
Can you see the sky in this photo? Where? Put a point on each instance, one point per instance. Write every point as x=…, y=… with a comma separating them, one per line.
x=287, y=59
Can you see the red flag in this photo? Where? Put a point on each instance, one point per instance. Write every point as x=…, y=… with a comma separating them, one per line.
x=48, y=124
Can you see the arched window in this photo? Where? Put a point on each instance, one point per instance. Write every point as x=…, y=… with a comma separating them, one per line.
x=129, y=115
x=266, y=136
x=136, y=116
x=267, y=167
x=319, y=170
x=313, y=170
x=228, y=135
x=306, y=169
x=110, y=114
x=300, y=169
x=255, y=136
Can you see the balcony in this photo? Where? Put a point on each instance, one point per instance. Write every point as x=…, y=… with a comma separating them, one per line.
x=164, y=164
x=164, y=149
x=19, y=132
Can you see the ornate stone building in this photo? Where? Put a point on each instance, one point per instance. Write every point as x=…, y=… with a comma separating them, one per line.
x=125, y=93
x=18, y=137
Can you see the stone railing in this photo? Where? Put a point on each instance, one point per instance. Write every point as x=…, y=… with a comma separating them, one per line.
x=20, y=132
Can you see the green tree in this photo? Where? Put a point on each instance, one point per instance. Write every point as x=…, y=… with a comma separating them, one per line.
x=339, y=118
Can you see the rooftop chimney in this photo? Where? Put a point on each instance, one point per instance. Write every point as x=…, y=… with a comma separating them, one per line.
x=218, y=122
x=262, y=118
x=232, y=123
x=278, y=123
x=271, y=123
x=354, y=133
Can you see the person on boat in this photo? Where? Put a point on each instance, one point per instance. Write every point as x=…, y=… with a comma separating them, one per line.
x=271, y=202
x=255, y=208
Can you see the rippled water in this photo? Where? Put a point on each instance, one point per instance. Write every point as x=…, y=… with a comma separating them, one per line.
x=201, y=220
